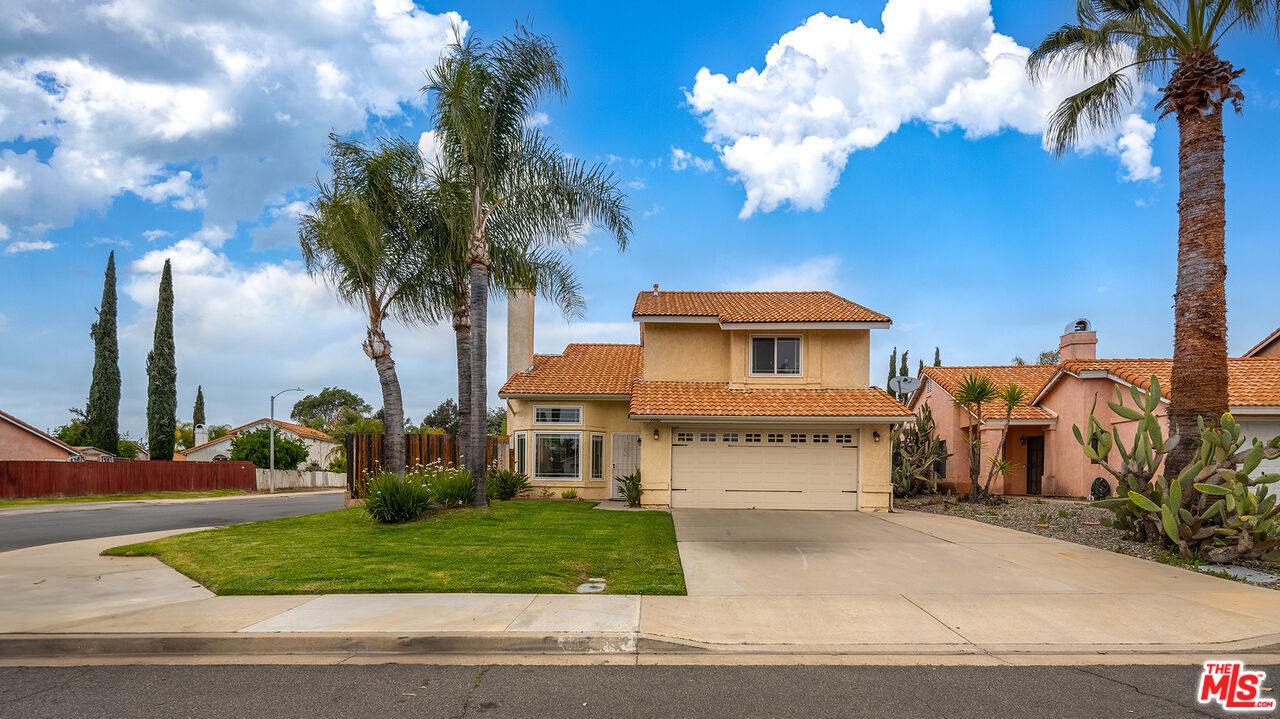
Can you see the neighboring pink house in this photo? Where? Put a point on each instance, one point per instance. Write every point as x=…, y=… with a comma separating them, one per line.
x=1048, y=460
x=21, y=441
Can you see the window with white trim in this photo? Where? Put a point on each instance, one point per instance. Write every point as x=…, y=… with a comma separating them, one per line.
x=775, y=355
x=522, y=452
x=557, y=455
x=597, y=456
x=550, y=414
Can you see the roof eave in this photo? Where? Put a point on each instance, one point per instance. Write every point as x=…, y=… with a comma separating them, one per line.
x=563, y=395
x=720, y=418
x=779, y=325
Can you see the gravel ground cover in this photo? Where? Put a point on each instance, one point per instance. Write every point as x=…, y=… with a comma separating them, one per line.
x=1066, y=520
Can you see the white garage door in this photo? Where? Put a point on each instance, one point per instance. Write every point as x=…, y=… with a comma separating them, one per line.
x=764, y=468
x=1265, y=430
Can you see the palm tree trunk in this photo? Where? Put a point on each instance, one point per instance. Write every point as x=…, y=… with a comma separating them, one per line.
x=1200, y=303
x=379, y=350
x=479, y=372
x=462, y=336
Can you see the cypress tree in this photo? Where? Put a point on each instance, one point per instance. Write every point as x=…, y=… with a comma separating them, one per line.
x=903, y=371
x=162, y=376
x=104, y=390
x=937, y=357
x=920, y=371
x=893, y=371
x=197, y=417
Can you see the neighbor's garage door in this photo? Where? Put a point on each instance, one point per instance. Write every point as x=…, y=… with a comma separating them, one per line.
x=764, y=468
x=1265, y=430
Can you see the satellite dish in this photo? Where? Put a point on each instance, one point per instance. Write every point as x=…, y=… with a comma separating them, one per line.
x=904, y=385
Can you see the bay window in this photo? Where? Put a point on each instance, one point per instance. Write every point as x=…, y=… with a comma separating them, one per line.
x=557, y=455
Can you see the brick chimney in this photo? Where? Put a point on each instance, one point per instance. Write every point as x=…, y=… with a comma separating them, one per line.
x=519, y=331
x=1079, y=342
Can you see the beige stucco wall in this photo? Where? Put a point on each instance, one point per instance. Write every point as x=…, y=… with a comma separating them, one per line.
x=599, y=416
x=875, y=465
x=702, y=352
x=16, y=443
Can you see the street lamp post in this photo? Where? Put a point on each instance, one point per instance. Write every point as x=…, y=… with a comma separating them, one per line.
x=271, y=473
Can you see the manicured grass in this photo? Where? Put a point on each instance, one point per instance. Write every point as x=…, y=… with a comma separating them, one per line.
x=511, y=547
x=119, y=497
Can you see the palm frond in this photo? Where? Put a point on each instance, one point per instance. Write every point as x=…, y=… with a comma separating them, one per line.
x=1099, y=106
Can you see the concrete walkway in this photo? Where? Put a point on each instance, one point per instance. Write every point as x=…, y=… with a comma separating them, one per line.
x=939, y=589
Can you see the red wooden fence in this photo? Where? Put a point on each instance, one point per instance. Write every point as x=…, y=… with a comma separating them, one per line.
x=52, y=479
x=364, y=454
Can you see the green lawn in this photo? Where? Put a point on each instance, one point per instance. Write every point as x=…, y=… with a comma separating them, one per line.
x=511, y=547
x=119, y=497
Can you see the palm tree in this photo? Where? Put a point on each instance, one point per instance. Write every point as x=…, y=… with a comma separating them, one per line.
x=483, y=96
x=1174, y=43
x=362, y=234
x=973, y=392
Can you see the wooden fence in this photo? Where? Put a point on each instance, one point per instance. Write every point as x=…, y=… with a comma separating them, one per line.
x=364, y=454
x=67, y=479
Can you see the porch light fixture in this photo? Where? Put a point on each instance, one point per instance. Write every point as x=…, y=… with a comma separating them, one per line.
x=655, y=434
x=1022, y=441
x=875, y=436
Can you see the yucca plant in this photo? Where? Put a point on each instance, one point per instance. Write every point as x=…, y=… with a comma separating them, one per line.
x=974, y=391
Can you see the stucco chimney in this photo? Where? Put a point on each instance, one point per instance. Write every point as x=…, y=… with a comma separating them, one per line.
x=200, y=435
x=519, y=331
x=1079, y=342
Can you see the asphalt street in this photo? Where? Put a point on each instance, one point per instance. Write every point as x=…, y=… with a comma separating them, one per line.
x=68, y=523
x=343, y=692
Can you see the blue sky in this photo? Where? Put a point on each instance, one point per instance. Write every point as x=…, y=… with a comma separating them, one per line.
x=850, y=159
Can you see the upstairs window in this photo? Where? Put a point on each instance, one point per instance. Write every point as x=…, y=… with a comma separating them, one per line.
x=775, y=355
x=557, y=415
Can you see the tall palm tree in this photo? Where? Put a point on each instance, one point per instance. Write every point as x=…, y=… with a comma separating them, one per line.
x=483, y=96
x=1174, y=42
x=361, y=233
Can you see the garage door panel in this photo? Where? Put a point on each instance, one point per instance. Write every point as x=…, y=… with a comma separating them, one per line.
x=788, y=475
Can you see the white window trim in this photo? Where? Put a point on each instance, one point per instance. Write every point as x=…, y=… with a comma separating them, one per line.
x=533, y=455
x=522, y=454
x=773, y=375
x=604, y=457
x=537, y=407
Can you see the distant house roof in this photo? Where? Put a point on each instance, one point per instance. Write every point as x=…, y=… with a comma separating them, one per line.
x=717, y=399
x=755, y=307
x=1031, y=378
x=298, y=429
x=583, y=369
x=5, y=416
x=1264, y=344
x=1251, y=381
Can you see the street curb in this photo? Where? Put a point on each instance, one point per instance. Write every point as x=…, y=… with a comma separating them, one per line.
x=389, y=644
x=125, y=503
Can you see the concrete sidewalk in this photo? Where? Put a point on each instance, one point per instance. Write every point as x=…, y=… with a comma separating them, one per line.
x=66, y=599
x=122, y=503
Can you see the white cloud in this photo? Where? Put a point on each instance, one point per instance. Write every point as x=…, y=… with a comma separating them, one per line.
x=153, y=235
x=220, y=107
x=819, y=273
x=652, y=211
x=1135, y=149
x=537, y=119
x=107, y=241
x=833, y=86
x=14, y=248
x=636, y=184
x=429, y=147
x=682, y=159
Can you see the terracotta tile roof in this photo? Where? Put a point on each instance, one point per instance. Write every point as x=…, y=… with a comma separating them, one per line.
x=583, y=369
x=717, y=399
x=42, y=435
x=1251, y=381
x=754, y=307
x=298, y=429
x=1032, y=378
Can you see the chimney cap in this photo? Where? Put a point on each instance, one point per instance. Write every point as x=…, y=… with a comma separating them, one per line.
x=655, y=288
x=1080, y=325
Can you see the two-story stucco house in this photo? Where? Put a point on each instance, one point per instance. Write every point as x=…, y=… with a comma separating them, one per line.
x=731, y=399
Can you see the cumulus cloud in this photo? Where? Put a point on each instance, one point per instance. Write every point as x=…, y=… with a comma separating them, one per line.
x=834, y=86
x=537, y=119
x=221, y=107
x=682, y=159
x=18, y=246
x=818, y=273
x=153, y=235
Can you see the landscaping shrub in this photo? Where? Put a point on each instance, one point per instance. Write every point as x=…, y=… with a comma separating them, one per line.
x=393, y=500
x=450, y=487
x=569, y=494
x=504, y=484
x=630, y=486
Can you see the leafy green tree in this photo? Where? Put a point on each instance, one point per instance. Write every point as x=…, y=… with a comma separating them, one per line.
x=893, y=370
x=104, y=391
x=496, y=420
x=255, y=447
x=76, y=431
x=1172, y=46
x=444, y=416
x=1048, y=357
x=483, y=96
x=184, y=435
x=197, y=414
x=920, y=369
x=126, y=449
x=903, y=372
x=328, y=407
x=937, y=357
x=162, y=376
x=362, y=234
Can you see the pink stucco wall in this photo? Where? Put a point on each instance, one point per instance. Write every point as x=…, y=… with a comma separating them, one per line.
x=1067, y=471
x=16, y=443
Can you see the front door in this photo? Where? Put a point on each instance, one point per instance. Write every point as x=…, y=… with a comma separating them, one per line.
x=625, y=458
x=1035, y=464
